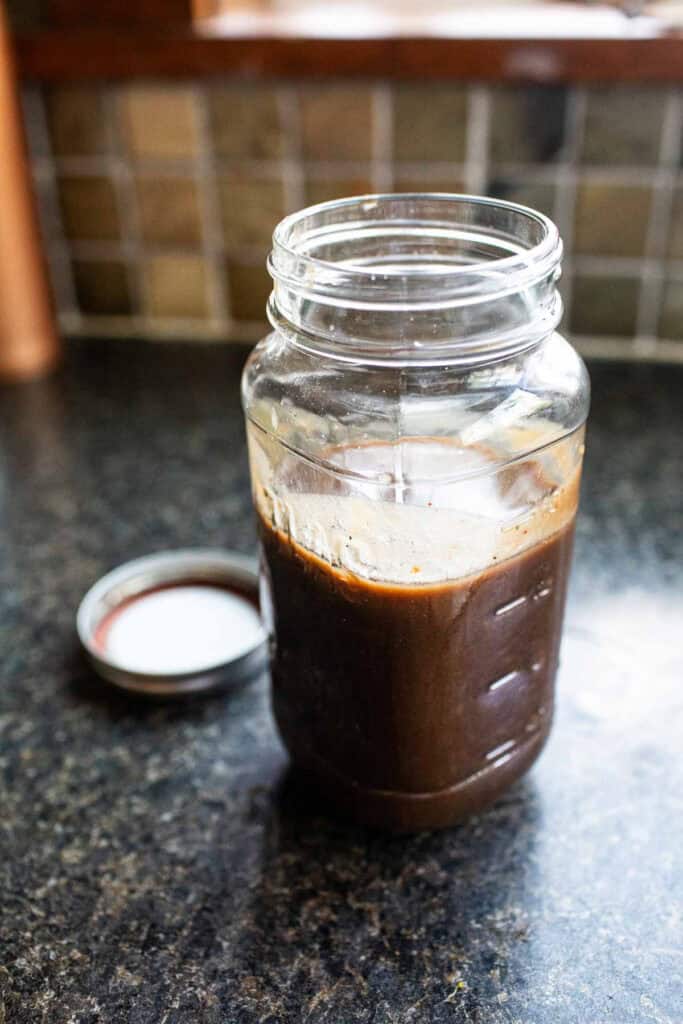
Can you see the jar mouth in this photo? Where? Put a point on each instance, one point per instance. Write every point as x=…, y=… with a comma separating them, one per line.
x=413, y=250
x=428, y=277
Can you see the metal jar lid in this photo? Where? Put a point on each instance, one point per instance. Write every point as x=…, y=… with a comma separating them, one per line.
x=175, y=623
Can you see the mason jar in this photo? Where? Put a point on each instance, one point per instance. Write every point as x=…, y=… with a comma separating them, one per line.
x=416, y=432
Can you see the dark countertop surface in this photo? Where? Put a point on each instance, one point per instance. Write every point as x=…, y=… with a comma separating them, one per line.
x=154, y=869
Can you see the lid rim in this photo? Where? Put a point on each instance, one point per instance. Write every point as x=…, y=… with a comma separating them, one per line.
x=204, y=681
x=163, y=569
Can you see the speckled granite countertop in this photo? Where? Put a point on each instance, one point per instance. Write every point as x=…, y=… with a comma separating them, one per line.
x=154, y=869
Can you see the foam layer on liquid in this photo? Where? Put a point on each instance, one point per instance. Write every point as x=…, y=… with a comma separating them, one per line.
x=405, y=521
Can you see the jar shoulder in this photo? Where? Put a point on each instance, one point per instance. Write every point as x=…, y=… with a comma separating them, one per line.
x=311, y=402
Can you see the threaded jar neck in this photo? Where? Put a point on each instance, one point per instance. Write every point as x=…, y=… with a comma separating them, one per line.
x=419, y=278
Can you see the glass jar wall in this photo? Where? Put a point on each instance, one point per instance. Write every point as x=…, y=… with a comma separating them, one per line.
x=415, y=427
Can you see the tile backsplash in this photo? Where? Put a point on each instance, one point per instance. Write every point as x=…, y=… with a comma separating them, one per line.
x=158, y=199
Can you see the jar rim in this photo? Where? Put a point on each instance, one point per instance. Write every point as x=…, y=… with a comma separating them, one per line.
x=293, y=261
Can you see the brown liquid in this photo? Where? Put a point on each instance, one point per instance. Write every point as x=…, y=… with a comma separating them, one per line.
x=409, y=706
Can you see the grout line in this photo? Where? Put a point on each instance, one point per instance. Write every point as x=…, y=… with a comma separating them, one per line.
x=210, y=212
x=171, y=167
x=673, y=270
x=249, y=332
x=629, y=177
x=34, y=120
x=84, y=166
x=55, y=243
x=476, y=147
x=615, y=266
x=430, y=172
x=104, y=250
x=41, y=168
x=565, y=194
x=529, y=174
x=624, y=266
x=547, y=173
x=596, y=266
x=291, y=166
x=627, y=349
x=322, y=170
x=93, y=166
x=74, y=325
x=668, y=351
x=165, y=329
x=382, y=139
x=644, y=347
x=126, y=203
x=649, y=302
x=97, y=250
x=652, y=285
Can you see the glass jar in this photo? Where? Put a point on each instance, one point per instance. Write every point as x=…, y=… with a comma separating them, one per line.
x=415, y=428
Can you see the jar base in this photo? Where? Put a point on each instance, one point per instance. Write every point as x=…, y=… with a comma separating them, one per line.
x=395, y=811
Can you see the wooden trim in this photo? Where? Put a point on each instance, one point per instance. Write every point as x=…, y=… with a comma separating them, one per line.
x=205, y=8
x=56, y=55
x=28, y=342
x=70, y=13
